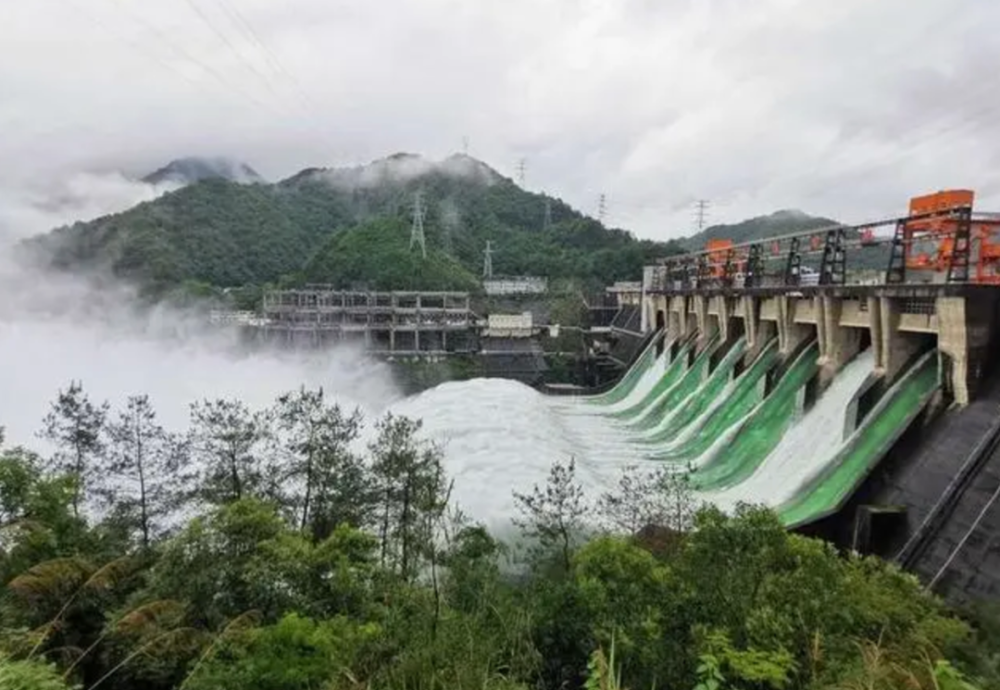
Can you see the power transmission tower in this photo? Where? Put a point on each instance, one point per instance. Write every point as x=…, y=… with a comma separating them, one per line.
x=547, y=223
x=417, y=230
x=465, y=146
x=488, y=260
x=602, y=209
x=520, y=171
x=701, y=212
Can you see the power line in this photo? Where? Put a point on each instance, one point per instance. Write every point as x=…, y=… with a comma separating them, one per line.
x=254, y=40
x=417, y=229
x=138, y=45
x=156, y=31
x=254, y=36
x=229, y=44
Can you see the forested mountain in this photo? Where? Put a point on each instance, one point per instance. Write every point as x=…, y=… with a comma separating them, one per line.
x=349, y=226
x=195, y=169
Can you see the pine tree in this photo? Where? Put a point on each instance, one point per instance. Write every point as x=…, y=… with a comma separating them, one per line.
x=228, y=442
x=330, y=482
x=75, y=426
x=146, y=463
x=411, y=490
x=654, y=498
x=553, y=515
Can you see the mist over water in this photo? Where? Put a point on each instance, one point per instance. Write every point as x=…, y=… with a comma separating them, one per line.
x=55, y=328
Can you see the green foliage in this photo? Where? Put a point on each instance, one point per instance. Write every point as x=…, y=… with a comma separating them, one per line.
x=75, y=426
x=29, y=675
x=334, y=568
x=554, y=514
x=628, y=598
x=316, y=439
x=377, y=255
x=296, y=653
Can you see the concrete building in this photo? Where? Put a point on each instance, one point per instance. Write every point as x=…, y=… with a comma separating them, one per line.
x=515, y=285
x=389, y=322
x=509, y=325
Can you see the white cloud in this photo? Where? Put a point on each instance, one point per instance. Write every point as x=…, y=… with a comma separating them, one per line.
x=844, y=109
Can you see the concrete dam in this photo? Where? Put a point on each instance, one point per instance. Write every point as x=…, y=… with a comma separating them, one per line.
x=865, y=412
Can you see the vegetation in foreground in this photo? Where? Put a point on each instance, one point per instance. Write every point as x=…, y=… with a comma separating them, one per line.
x=261, y=550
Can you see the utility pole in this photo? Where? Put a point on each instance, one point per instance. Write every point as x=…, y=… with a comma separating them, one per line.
x=520, y=171
x=602, y=209
x=488, y=260
x=701, y=211
x=547, y=223
x=417, y=230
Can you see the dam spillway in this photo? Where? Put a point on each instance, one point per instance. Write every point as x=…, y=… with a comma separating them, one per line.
x=790, y=399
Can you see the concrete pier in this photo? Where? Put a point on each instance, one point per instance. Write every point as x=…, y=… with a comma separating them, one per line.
x=897, y=321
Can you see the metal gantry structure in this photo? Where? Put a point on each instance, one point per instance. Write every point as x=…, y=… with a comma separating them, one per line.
x=942, y=239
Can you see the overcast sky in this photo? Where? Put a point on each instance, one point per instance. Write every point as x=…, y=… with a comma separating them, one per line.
x=843, y=108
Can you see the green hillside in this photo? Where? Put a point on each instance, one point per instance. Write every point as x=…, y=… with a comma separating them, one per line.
x=343, y=225
x=874, y=258
x=377, y=253
x=759, y=228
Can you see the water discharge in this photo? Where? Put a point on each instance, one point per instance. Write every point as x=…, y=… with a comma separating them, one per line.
x=738, y=443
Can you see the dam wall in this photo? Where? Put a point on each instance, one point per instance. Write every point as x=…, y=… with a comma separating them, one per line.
x=898, y=322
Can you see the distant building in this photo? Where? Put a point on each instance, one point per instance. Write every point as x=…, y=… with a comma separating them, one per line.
x=236, y=318
x=515, y=285
x=626, y=292
x=509, y=325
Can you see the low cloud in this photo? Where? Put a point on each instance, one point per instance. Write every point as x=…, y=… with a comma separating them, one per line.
x=56, y=327
x=404, y=167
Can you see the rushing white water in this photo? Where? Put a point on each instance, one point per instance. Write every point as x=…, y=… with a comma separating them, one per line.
x=499, y=436
x=648, y=379
x=809, y=445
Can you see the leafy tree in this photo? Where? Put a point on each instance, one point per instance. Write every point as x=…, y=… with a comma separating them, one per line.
x=657, y=497
x=296, y=653
x=332, y=481
x=146, y=463
x=36, y=518
x=554, y=516
x=241, y=596
x=411, y=490
x=228, y=440
x=629, y=600
x=74, y=425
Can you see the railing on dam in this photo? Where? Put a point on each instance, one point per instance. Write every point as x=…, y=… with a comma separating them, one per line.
x=951, y=246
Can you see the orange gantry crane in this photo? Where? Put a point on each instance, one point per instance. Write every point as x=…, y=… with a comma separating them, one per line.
x=943, y=235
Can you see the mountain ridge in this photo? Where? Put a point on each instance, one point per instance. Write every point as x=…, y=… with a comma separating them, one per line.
x=190, y=169
x=780, y=222
x=220, y=233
